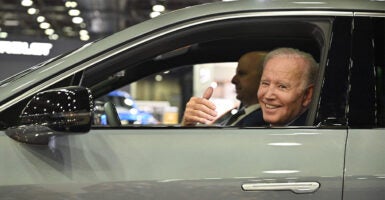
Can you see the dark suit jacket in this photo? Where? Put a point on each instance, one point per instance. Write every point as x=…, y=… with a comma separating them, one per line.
x=254, y=118
x=300, y=121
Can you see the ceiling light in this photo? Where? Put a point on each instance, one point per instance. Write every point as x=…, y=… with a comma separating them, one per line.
x=77, y=20
x=53, y=37
x=83, y=32
x=49, y=31
x=158, y=77
x=45, y=25
x=11, y=23
x=3, y=34
x=158, y=8
x=26, y=3
x=74, y=12
x=84, y=37
x=71, y=4
x=154, y=14
x=82, y=25
x=40, y=19
x=32, y=11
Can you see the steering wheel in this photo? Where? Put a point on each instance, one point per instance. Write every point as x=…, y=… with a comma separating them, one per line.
x=111, y=114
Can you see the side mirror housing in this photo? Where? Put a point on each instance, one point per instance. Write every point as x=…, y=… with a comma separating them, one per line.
x=60, y=111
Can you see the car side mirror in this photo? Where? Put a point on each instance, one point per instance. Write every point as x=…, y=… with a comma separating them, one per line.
x=60, y=111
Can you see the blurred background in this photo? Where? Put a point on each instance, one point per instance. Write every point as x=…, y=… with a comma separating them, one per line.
x=32, y=31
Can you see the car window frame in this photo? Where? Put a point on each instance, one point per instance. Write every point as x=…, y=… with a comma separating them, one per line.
x=326, y=28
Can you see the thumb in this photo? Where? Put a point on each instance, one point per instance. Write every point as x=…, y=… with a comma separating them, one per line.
x=208, y=93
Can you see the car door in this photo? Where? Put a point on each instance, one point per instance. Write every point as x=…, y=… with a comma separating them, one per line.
x=365, y=161
x=201, y=162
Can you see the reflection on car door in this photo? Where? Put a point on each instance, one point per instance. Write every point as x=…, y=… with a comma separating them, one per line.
x=185, y=163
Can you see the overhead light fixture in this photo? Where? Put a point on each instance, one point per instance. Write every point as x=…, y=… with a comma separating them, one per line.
x=71, y=4
x=83, y=32
x=158, y=77
x=11, y=23
x=74, y=12
x=40, y=19
x=84, y=37
x=26, y=3
x=45, y=25
x=3, y=34
x=77, y=20
x=82, y=25
x=154, y=14
x=53, y=37
x=49, y=31
x=32, y=11
x=158, y=8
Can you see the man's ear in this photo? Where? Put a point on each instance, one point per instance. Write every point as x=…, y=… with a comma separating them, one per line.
x=308, y=95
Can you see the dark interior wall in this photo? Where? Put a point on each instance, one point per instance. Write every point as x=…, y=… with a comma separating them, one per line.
x=11, y=63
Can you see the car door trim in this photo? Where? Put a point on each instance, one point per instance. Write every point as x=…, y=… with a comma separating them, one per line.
x=368, y=14
x=297, y=187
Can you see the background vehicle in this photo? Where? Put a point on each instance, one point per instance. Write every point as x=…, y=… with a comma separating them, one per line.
x=51, y=105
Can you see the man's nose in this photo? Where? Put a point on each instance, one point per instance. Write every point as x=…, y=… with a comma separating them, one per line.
x=234, y=79
x=270, y=92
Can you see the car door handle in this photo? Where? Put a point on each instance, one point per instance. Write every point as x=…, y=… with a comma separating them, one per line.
x=297, y=187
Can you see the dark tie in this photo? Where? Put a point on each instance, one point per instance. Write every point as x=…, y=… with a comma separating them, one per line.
x=234, y=117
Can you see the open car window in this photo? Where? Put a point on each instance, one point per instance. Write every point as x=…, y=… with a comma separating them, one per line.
x=173, y=59
x=159, y=99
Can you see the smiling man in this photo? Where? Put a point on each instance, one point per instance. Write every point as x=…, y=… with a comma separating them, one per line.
x=287, y=86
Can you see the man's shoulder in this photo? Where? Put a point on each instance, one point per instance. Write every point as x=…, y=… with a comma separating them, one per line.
x=254, y=118
x=301, y=120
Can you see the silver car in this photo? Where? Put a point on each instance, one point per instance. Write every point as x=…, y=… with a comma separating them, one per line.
x=52, y=146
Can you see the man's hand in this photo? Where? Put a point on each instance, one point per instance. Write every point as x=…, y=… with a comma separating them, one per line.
x=200, y=110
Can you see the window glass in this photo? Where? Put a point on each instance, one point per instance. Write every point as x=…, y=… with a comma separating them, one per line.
x=159, y=99
x=366, y=94
x=379, y=53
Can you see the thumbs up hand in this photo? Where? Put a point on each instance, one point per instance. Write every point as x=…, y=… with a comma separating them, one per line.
x=200, y=109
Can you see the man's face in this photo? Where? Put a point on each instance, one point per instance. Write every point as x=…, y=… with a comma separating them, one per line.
x=246, y=83
x=283, y=93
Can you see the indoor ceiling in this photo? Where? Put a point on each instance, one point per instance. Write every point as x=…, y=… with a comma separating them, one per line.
x=81, y=19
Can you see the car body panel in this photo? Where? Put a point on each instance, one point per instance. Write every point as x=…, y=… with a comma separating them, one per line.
x=365, y=164
x=168, y=158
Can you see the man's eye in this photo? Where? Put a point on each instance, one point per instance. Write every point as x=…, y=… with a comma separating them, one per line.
x=282, y=87
x=264, y=83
